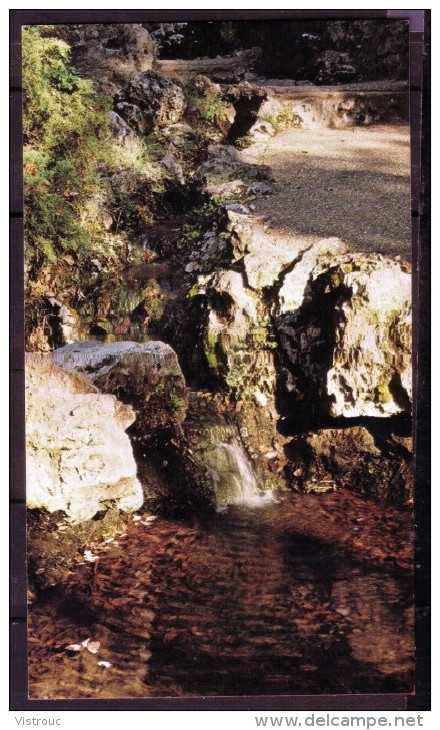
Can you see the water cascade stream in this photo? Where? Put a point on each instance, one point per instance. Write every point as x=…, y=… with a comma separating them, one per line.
x=234, y=478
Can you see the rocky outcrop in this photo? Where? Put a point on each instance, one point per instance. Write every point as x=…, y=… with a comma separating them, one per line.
x=109, y=54
x=299, y=333
x=227, y=173
x=246, y=99
x=236, y=306
x=119, y=127
x=348, y=346
x=207, y=110
x=289, y=104
x=202, y=86
x=150, y=102
x=361, y=460
x=145, y=375
x=219, y=459
x=221, y=69
x=79, y=458
x=50, y=323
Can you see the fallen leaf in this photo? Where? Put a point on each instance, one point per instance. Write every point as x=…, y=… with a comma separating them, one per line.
x=93, y=647
x=74, y=647
x=106, y=665
x=119, y=601
x=90, y=557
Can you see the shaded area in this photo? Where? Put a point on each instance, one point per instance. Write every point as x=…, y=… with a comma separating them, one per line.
x=351, y=183
x=370, y=49
x=309, y=595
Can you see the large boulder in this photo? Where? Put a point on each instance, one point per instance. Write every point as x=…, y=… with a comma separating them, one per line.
x=145, y=375
x=367, y=462
x=348, y=346
x=109, y=54
x=78, y=457
x=150, y=102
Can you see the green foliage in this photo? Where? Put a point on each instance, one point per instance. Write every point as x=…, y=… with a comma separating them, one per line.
x=176, y=401
x=383, y=394
x=284, y=119
x=201, y=218
x=210, y=109
x=208, y=116
x=65, y=126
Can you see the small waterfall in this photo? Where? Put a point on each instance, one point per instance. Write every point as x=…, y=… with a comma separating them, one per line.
x=234, y=479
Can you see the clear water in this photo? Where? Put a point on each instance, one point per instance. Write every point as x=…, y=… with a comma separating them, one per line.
x=308, y=595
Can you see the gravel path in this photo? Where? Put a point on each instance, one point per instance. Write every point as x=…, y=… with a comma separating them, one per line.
x=351, y=183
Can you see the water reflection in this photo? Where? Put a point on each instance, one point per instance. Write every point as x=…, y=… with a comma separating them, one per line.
x=291, y=598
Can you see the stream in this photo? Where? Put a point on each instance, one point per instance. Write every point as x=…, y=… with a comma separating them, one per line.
x=306, y=594
x=265, y=266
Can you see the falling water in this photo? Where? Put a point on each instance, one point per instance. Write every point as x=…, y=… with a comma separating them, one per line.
x=235, y=479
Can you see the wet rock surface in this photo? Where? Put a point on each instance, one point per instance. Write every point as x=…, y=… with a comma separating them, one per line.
x=373, y=463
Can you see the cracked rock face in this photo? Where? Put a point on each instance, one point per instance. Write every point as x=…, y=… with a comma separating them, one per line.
x=150, y=102
x=145, y=375
x=227, y=172
x=306, y=330
x=109, y=54
x=78, y=457
x=331, y=458
x=349, y=345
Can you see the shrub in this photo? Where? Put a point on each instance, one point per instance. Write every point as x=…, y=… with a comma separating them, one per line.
x=66, y=130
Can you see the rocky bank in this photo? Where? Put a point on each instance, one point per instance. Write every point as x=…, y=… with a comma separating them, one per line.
x=262, y=356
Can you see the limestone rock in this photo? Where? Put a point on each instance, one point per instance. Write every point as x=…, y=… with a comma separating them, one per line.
x=79, y=458
x=174, y=168
x=281, y=260
x=294, y=284
x=109, y=54
x=150, y=102
x=227, y=171
x=201, y=85
x=349, y=457
x=239, y=349
x=64, y=322
x=146, y=375
x=260, y=130
x=119, y=127
x=348, y=346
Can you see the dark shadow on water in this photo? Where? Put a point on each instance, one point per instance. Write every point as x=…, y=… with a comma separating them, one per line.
x=248, y=601
x=269, y=619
